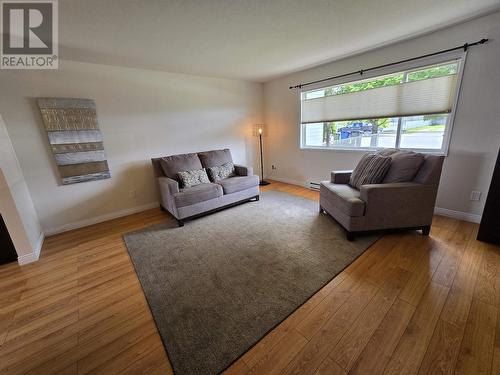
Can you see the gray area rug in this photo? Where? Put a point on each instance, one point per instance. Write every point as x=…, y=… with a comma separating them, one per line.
x=220, y=283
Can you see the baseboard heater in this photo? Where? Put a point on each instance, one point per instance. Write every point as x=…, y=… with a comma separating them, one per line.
x=314, y=185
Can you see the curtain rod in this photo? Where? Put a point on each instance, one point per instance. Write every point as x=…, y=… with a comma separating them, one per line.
x=361, y=71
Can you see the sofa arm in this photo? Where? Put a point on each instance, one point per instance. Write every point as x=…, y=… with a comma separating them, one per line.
x=241, y=170
x=340, y=177
x=168, y=186
x=391, y=191
x=400, y=202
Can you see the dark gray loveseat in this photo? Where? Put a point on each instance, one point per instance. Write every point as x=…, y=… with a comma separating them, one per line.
x=188, y=203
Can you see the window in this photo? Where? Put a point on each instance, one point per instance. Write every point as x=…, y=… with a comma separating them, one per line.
x=410, y=109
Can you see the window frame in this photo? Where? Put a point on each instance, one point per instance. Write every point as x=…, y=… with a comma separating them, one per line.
x=407, y=67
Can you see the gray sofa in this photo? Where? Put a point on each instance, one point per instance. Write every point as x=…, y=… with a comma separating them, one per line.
x=192, y=202
x=386, y=205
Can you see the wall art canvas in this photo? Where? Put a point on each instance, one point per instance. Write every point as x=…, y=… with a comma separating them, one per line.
x=75, y=139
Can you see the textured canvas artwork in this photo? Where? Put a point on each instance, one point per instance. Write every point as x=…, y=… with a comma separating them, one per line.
x=75, y=139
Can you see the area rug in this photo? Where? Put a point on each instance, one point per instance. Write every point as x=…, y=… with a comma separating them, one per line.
x=217, y=285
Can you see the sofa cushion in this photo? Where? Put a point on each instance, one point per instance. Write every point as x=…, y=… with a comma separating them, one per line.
x=387, y=151
x=174, y=164
x=221, y=172
x=242, y=170
x=371, y=169
x=238, y=183
x=343, y=196
x=196, y=194
x=215, y=158
x=193, y=178
x=404, y=166
x=430, y=171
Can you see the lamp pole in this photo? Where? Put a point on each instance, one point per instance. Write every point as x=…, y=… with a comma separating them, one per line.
x=262, y=181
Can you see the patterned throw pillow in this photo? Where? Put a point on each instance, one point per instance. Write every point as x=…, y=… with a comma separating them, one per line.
x=356, y=173
x=371, y=169
x=221, y=172
x=193, y=178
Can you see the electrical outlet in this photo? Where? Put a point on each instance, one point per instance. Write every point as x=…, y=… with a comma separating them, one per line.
x=273, y=167
x=132, y=194
x=475, y=195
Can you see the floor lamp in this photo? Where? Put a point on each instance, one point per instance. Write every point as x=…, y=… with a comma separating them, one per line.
x=259, y=131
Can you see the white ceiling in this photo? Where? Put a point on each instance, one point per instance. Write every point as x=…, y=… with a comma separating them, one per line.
x=245, y=39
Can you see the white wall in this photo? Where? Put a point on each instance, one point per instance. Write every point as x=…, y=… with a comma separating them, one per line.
x=476, y=132
x=142, y=114
x=145, y=113
x=16, y=206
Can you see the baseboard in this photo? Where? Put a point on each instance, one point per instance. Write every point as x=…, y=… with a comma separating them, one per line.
x=27, y=258
x=474, y=218
x=288, y=181
x=32, y=257
x=460, y=215
x=39, y=244
x=99, y=219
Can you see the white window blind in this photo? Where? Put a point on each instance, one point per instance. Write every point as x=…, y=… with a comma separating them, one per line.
x=422, y=97
x=412, y=108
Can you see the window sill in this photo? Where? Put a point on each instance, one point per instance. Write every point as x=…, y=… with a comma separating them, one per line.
x=365, y=150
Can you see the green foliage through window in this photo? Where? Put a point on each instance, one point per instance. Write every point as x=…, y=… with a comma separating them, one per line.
x=389, y=80
x=365, y=85
x=436, y=71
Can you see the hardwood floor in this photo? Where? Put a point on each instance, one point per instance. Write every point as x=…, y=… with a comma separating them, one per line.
x=409, y=305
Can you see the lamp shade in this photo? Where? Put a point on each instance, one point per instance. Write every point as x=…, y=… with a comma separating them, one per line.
x=259, y=129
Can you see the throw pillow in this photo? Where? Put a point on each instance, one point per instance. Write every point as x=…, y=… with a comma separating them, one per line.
x=404, y=167
x=370, y=170
x=221, y=172
x=358, y=171
x=193, y=178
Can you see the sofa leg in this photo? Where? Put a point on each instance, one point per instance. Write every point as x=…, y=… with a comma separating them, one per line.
x=321, y=210
x=426, y=230
x=180, y=223
x=162, y=208
x=349, y=235
x=257, y=198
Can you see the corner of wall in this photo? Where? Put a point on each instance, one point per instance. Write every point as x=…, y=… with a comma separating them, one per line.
x=22, y=219
x=32, y=257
